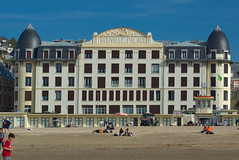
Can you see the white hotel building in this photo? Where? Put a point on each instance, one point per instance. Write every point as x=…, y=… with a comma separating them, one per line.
x=119, y=70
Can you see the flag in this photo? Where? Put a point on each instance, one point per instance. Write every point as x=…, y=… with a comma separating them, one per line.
x=219, y=77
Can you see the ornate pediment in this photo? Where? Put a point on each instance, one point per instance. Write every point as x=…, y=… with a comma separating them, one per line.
x=122, y=36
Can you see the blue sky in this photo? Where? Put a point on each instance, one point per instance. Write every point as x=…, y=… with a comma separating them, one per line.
x=177, y=20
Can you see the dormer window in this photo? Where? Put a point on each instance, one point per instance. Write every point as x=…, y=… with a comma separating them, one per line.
x=58, y=53
x=171, y=54
x=196, y=54
x=71, y=54
x=183, y=54
x=17, y=53
x=213, y=54
x=46, y=53
x=225, y=54
x=28, y=53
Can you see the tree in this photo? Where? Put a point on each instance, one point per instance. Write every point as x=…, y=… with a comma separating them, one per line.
x=14, y=42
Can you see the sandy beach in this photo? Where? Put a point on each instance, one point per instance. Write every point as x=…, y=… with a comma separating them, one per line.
x=169, y=143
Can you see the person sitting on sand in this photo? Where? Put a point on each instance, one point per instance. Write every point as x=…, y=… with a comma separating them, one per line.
x=121, y=132
x=209, y=130
x=204, y=129
x=128, y=133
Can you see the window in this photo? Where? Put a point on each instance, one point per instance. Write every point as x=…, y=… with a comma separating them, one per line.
x=88, y=82
x=114, y=81
x=195, y=93
x=45, y=53
x=58, y=95
x=155, y=68
x=183, y=95
x=28, y=81
x=155, y=82
x=141, y=109
x=27, y=109
x=71, y=68
x=70, y=95
x=213, y=68
x=196, y=81
x=157, y=95
x=141, y=68
x=154, y=109
x=16, y=81
x=100, y=109
x=171, y=81
x=184, y=68
x=196, y=54
x=88, y=68
x=184, y=82
x=138, y=95
x=114, y=68
x=28, y=95
x=170, y=109
x=101, y=82
x=128, y=54
x=45, y=95
x=128, y=109
x=171, y=54
x=213, y=81
x=225, y=107
x=58, y=54
x=225, y=95
x=45, y=67
x=183, y=54
x=213, y=94
x=87, y=109
x=141, y=82
x=226, y=55
x=142, y=54
x=28, y=53
x=171, y=68
x=170, y=95
x=57, y=109
x=183, y=107
x=17, y=54
x=225, y=82
x=213, y=53
x=88, y=54
x=57, y=81
x=16, y=68
x=115, y=54
x=128, y=81
x=70, y=109
x=16, y=96
x=45, y=81
x=44, y=108
x=225, y=68
x=101, y=68
x=71, y=54
x=58, y=67
x=128, y=68
x=71, y=81
x=196, y=68
x=101, y=54
x=155, y=54
x=28, y=67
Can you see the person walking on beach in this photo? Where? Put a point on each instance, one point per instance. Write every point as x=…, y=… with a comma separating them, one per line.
x=2, y=140
x=7, y=148
x=6, y=124
x=106, y=122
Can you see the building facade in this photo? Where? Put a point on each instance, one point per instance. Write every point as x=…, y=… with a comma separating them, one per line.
x=119, y=70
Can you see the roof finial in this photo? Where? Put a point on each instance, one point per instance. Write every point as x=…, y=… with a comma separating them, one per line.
x=30, y=26
x=217, y=28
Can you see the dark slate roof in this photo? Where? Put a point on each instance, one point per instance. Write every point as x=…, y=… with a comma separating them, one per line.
x=29, y=38
x=217, y=40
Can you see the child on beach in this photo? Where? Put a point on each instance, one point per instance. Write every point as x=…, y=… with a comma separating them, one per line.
x=2, y=135
x=7, y=148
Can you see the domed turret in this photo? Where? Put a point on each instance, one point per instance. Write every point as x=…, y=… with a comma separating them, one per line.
x=217, y=40
x=29, y=39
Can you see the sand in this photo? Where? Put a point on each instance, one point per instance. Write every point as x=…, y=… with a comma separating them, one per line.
x=171, y=143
